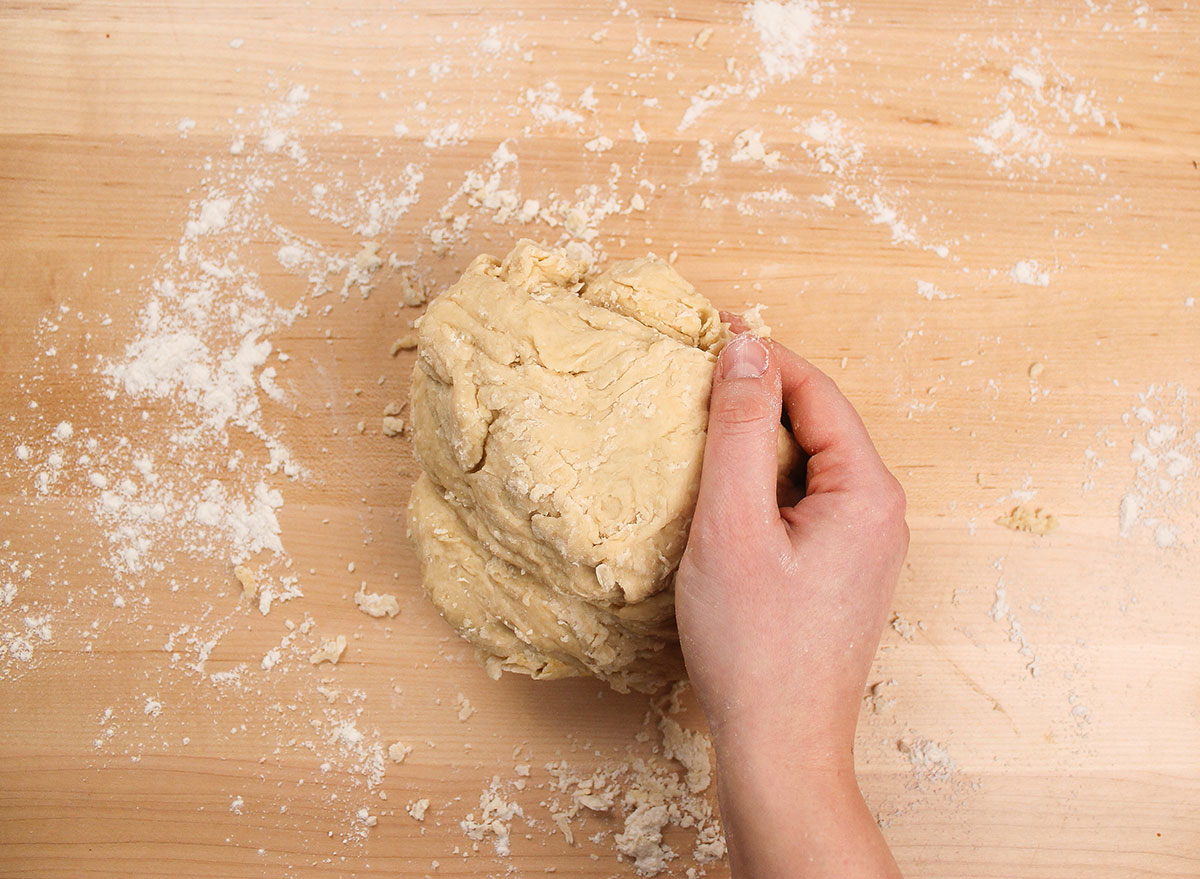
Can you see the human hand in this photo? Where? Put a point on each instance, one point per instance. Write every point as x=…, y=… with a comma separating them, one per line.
x=780, y=612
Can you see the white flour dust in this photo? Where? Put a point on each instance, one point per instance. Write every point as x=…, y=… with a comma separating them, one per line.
x=1165, y=453
x=786, y=34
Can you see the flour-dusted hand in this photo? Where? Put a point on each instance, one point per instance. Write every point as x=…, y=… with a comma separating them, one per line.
x=780, y=612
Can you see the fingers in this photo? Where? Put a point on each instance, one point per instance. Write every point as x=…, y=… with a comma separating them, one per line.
x=737, y=486
x=734, y=320
x=826, y=426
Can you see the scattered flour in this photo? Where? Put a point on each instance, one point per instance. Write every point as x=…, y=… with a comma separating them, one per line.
x=1027, y=76
x=1002, y=612
x=545, y=104
x=786, y=33
x=928, y=291
x=1164, y=494
x=830, y=144
x=1039, y=103
x=931, y=762
x=1029, y=273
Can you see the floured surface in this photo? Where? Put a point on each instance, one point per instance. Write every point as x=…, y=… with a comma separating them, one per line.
x=980, y=221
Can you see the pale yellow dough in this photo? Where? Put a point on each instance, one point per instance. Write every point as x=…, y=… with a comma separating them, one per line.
x=559, y=419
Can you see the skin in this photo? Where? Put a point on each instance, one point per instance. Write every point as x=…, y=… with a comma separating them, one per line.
x=780, y=612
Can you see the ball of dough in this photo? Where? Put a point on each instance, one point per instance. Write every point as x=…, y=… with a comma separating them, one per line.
x=559, y=419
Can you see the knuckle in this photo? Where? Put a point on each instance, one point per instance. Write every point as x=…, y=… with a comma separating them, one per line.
x=894, y=502
x=881, y=510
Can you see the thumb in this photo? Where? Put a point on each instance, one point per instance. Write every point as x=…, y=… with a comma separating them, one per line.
x=737, y=483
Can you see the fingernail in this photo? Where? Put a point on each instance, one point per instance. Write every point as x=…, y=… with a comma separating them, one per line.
x=744, y=357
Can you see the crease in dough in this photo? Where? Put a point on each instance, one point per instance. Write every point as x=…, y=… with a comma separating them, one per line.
x=559, y=419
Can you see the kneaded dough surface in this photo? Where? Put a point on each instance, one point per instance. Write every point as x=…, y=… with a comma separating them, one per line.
x=559, y=419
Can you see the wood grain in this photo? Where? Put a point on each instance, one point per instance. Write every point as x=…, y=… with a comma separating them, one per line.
x=97, y=181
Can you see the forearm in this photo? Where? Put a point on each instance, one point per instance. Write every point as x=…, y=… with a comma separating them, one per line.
x=784, y=821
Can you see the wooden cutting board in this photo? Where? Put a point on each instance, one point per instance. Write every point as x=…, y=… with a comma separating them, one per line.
x=981, y=220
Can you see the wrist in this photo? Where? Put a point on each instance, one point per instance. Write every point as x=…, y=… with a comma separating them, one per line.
x=795, y=811
x=811, y=771
x=820, y=744
x=799, y=821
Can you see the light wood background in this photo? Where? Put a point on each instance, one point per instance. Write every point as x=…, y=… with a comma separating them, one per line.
x=96, y=181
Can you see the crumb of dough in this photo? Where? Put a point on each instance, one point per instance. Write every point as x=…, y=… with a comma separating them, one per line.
x=903, y=627
x=368, y=259
x=753, y=318
x=393, y=408
x=593, y=802
x=643, y=797
x=563, y=823
x=405, y=343
x=495, y=818
x=656, y=802
x=642, y=839
x=465, y=708
x=376, y=604
x=398, y=751
x=690, y=749
x=330, y=651
x=392, y=426
x=701, y=39
x=418, y=808
x=748, y=147
x=877, y=699
x=1023, y=518
x=930, y=760
x=331, y=694
x=1129, y=511
x=246, y=577
x=412, y=291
